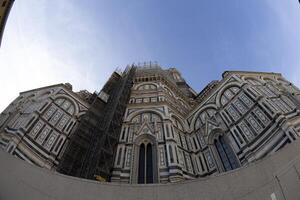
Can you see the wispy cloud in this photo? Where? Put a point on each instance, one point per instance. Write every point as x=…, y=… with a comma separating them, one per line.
x=288, y=16
x=48, y=42
x=34, y=55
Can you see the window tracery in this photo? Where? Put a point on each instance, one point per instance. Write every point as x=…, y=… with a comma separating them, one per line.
x=147, y=87
x=229, y=94
x=203, y=116
x=59, y=115
x=66, y=105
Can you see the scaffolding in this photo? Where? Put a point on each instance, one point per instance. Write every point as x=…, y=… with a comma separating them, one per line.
x=91, y=149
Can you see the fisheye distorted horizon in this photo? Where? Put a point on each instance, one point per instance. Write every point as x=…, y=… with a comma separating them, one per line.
x=82, y=42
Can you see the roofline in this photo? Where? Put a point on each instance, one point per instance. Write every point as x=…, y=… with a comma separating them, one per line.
x=224, y=74
x=49, y=86
x=68, y=90
x=206, y=88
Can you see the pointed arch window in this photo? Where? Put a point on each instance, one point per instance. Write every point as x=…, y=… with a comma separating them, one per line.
x=229, y=94
x=147, y=87
x=141, y=176
x=66, y=105
x=171, y=154
x=145, y=168
x=203, y=116
x=149, y=165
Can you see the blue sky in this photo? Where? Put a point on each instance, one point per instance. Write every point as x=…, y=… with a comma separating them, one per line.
x=82, y=42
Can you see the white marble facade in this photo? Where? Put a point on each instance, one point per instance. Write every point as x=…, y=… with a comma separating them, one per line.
x=36, y=126
x=235, y=121
x=169, y=133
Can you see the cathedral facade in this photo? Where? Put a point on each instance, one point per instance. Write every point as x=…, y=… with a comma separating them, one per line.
x=147, y=125
x=36, y=126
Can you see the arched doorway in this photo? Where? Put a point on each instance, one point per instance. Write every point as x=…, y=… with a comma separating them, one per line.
x=145, y=169
x=226, y=154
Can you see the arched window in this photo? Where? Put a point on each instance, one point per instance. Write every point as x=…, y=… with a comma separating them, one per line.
x=145, y=168
x=147, y=87
x=203, y=116
x=229, y=94
x=141, y=175
x=144, y=129
x=66, y=105
x=149, y=164
x=226, y=154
